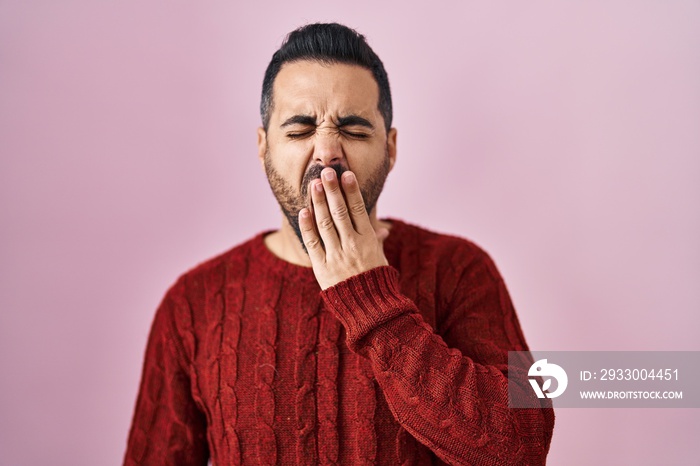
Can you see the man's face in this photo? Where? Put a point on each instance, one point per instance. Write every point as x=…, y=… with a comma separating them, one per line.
x=324, y=116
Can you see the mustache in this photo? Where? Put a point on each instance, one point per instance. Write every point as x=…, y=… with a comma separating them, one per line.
x=314, y=172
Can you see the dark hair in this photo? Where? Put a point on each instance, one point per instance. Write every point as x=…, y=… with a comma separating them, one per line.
x=326, y=43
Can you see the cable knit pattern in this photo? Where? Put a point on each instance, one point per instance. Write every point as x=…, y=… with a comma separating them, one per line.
x=234, y=299
x=327, y=368
x=264, y=377
x=249, y=362
x=365, y=404
x=304, y=379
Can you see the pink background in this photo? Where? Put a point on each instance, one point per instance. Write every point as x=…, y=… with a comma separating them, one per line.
x=561, y=136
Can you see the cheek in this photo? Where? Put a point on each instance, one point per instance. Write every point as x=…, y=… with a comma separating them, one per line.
x=364, y=161
x=290, y=161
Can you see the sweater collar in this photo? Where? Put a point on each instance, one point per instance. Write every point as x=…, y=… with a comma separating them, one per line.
x=304, y=274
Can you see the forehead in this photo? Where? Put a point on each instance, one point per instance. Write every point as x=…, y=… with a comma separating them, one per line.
x=312, y=88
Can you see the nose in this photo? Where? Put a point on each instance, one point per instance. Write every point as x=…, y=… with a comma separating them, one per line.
x=327, y=148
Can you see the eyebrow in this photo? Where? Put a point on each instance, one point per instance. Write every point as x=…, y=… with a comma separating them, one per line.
x=308, y=120
x=354, y=120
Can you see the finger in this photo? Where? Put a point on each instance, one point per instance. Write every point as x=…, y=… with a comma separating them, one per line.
x=355, y=203
x=324, y=221
x=309, y=236
x=336, y=203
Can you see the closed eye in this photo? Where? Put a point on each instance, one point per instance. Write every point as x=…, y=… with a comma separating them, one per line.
x=299, y=135
x=356, y=135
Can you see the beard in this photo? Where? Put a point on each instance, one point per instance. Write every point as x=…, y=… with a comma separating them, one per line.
x=291, y=201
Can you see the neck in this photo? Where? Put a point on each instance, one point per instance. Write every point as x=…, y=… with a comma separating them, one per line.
x=285, y=244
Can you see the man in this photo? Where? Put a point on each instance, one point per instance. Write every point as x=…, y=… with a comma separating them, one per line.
x=340, y=338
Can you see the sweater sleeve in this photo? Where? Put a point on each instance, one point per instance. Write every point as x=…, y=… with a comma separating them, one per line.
x=452, y=397
x=167, y=426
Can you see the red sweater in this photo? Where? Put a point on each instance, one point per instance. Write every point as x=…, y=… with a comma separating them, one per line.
x=249, y=362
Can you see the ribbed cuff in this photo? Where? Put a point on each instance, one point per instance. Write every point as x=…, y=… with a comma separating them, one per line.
x=365, y=301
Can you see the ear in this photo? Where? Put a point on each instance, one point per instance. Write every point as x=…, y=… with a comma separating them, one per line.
x=391, y=147
x=262, y=146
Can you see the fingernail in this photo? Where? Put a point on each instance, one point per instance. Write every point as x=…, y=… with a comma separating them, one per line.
x=329, y=175
x=348, y=177
x=319, y=186
x=304, y=213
